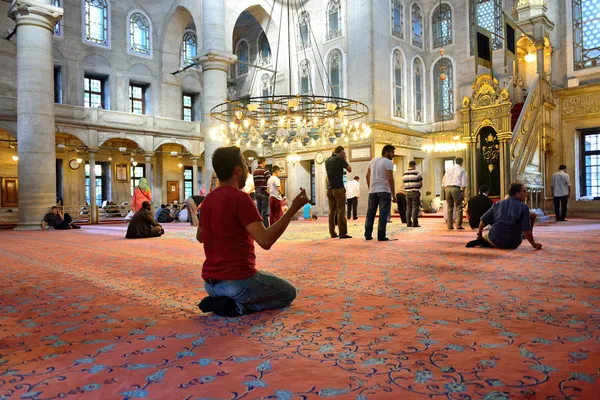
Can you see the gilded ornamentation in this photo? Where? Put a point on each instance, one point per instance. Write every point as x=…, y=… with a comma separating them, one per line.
x=583, y=105
x=466, y=102
x=398, y=139
x=486, y=92
x=526, y=3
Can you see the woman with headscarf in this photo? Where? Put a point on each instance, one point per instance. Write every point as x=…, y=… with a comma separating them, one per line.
x=140, y=195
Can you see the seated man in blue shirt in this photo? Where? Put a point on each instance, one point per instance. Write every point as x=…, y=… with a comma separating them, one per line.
x=508, y=218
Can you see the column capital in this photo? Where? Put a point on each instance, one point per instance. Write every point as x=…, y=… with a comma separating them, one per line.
x=215, y=59
x=31, y=12
x=149, y=154
x=195, y=159
x=92, y=150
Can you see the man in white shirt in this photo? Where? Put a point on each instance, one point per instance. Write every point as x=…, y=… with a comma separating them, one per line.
x=561, y=190
x=275, y=198
x=352, y=196
x=454, y=183
x=380, y=181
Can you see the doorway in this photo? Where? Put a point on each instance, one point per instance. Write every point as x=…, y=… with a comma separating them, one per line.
x=172, y=192
x=10, y=192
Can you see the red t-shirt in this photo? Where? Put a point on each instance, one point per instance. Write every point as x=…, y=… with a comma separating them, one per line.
x=228, y=246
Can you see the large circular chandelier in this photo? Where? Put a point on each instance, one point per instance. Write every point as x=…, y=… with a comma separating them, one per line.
x=290, y=121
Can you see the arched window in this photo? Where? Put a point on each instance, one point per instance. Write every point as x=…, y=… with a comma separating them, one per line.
x=488, y=15
x=57, y=30
x=242, y=55
x=188, y=48
x=417, y=25
x=586, y=35
x=397, y=18
x=305, y=82
x=443, y=86
x=334, y=19
x=334, y=72
x=418, y=89
x=96, y=22
x=303, y=30
x=441, y=21
x=264, y=50
x=139, y=34
x=398, y=61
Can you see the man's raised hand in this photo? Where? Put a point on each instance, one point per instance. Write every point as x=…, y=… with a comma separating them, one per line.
x=300, y=200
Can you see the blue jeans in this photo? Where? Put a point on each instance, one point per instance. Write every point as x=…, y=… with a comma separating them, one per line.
x=264, y=291
x=262, y=203
x=383, y=200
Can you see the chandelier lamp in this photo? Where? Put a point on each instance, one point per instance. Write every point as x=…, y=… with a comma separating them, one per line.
x=289, y=120
x=443, y=142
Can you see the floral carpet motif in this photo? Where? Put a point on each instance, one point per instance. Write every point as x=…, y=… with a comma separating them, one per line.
x=88, y=314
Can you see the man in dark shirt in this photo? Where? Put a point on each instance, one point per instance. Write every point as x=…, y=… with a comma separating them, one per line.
x=261, y=176
x=56, y=220
x=143, y=225
x=478, y=206
x=509, y=219
x=336, y=193
x=165, y=215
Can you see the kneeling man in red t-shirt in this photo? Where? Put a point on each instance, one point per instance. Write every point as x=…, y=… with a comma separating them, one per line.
x=229, y=225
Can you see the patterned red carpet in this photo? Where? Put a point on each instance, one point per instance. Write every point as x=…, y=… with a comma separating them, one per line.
x=88, y=314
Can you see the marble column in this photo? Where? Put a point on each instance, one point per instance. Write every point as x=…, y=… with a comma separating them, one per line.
x=215, y=61
x=148, y=173
x=35, y=109
x=92, y=193
x=194, y=175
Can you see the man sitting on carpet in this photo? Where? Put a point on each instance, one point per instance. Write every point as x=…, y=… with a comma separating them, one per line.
x=509, y=219
x=229, y=225
x=143, y=225
x=56, y=220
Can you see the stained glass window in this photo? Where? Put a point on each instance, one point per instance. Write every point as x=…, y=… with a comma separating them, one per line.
x=188, y=107
x=417, y=25
x=397, y=19
x=334, y=67
x=305, y=77
x=136, y=99
x=96, y=22
x=139, y=34
x=57, y=30
x=188, y=48
x=398, y=83
x=590, y=165
x=443, y=90
x=586, y=33
x=441, y=22
x=488, y=15
x=418, y=71
x=242, y=55
x=264, y=50
x=304, y=30
x=334, y=19
x=93, y=92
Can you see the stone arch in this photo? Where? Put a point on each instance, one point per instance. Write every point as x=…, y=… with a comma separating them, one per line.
x=78, y=133
x=184, y=143
x=142, y=141
x=178, y=21
x=261, y=11
x=96, y=60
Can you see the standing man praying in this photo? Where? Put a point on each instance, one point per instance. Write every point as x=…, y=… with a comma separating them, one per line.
x=380, y=181
x=561, y=190
x=336, y=193
x=413, y=182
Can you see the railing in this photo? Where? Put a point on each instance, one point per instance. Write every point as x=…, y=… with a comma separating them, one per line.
x=525, y=135
x=526, y=142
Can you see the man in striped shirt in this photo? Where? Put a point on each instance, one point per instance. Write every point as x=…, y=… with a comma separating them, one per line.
x=261, y=177
x=413, y=182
